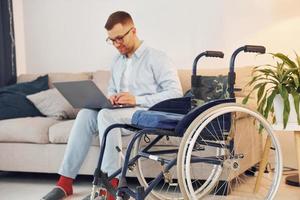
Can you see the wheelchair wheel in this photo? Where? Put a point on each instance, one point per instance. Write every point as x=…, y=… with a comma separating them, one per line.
x=229, y=152
x=168, y=188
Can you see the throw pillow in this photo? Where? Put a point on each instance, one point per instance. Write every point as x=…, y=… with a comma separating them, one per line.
x=52, y=104
x=14, y=105
x=13, y=101
x=27, y=88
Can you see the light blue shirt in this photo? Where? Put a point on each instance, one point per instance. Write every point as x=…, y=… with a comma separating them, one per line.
x=152, y=78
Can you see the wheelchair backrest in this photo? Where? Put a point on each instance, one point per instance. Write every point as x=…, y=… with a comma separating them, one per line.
x=208, y=88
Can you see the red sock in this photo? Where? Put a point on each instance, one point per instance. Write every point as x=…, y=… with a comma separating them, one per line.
x=66, y=183
x=114, y=182
x=102, y=193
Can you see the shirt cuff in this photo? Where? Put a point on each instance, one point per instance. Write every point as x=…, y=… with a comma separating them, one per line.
x=140, y=100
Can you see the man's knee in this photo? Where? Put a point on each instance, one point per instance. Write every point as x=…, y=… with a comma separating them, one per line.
x=105, y=115
x=86, y=115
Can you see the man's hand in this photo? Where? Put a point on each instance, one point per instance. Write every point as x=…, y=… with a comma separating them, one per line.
x=124, y=98
x=112, y=99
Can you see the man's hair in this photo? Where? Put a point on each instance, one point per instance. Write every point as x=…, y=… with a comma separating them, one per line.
x=121, y=17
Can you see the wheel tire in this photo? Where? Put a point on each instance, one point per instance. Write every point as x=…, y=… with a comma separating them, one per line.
x=232, y=161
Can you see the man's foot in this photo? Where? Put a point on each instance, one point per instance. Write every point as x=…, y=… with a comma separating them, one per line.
x=65, y=183
x=56, y=193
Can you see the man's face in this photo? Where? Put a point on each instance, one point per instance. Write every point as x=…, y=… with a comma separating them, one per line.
x=122, y=37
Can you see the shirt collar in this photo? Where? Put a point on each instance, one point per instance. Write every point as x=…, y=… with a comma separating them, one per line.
x=140, y=50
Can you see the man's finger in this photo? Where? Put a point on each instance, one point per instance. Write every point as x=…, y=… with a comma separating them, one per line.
x=120, y=95
x=112, y=99
x=123, y=99
x=122, y=102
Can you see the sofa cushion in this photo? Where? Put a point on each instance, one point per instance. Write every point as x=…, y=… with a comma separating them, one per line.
x=59, y=133
x=56, y=77
x=29, y=129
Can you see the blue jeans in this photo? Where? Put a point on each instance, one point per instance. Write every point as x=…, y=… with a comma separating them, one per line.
x=87, y=125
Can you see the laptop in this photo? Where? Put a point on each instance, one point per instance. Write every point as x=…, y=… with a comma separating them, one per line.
x=85, y=94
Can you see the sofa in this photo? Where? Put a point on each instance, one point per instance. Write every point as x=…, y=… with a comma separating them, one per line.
x=37, y=144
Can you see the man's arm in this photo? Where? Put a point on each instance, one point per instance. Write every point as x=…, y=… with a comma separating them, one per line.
x=167, y=81
x=111, y=88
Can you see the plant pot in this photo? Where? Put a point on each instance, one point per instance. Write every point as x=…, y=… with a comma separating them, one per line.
x=278, y=110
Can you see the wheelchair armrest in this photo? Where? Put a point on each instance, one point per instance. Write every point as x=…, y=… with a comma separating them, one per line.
x=180, y=105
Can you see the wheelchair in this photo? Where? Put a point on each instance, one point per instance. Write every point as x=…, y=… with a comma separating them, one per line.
x=216, y=149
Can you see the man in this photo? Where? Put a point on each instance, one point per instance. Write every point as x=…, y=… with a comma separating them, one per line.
x=140, y=75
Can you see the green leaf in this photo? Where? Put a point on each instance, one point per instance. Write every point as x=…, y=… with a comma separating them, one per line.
x=245, y=100
x=254, y=79
x=267, y=72
x=288, y=72
x=286, y=106
x=285, y=59
x=270, y=100
x=262, y=104
x=298, y=59
x=260, y=92
x=295, y=80
x=258, y=85
x=296, y=103
x=279, y=88
x=298, y=62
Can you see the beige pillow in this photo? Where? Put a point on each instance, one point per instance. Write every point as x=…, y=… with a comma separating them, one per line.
x=52, y=104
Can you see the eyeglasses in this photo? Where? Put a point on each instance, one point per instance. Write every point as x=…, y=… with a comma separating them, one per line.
x=118, y=39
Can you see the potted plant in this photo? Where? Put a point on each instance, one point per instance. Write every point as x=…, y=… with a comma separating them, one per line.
x=277, y=83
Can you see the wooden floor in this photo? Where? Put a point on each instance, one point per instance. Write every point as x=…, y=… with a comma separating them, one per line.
x=31, y=186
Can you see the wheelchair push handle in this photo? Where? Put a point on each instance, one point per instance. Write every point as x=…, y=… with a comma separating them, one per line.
x=231, y=74
x=255, y=49
x=217, y=54
x=248, y=49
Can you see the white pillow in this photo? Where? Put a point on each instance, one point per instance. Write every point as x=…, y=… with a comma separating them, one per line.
x=52, y=104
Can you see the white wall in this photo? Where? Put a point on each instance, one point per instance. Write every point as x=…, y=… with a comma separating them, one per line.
x=68, y=35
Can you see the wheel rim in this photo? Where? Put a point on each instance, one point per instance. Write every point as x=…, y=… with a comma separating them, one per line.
x=205, y=118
